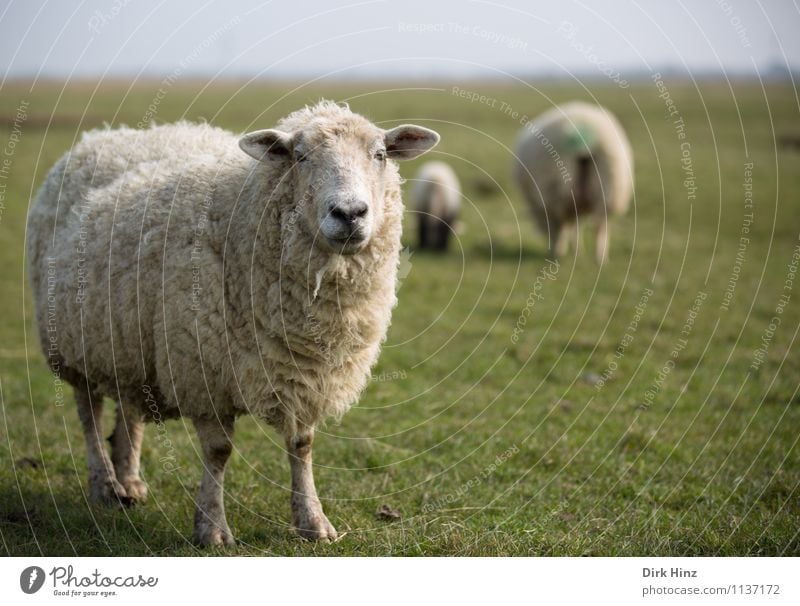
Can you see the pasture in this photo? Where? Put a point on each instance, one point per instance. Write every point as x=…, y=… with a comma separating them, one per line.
x=650, y=407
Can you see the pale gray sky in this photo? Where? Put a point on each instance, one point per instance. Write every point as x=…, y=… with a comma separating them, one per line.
x=449, y=38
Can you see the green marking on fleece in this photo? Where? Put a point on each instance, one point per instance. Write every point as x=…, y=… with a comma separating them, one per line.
x=580, y=138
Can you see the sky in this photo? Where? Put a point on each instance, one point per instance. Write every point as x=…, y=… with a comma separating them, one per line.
x=384, y=39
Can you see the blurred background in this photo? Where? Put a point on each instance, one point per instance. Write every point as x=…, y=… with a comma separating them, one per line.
x=379, y=39
x=585, y=421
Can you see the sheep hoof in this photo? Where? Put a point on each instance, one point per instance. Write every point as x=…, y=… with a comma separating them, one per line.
x=210, y=535
x=316, y=528
x=136, y=490
x=107, y=491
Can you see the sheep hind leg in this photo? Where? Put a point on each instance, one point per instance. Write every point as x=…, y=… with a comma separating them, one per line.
x=422, y=230
x=601, y=241
x=103, y=485
x=216, y=440
x=443, y=230
x=558, y=244
x=307, y=515
x=126, y=450
x=575, y=236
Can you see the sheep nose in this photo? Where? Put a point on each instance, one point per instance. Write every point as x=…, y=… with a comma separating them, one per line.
x=349, y=212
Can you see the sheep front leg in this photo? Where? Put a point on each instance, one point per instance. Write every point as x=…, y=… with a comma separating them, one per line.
x=307, y=515
x=126, y=450
x=103, y=485
x=216, y=440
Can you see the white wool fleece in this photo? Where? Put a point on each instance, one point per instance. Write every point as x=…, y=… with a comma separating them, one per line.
x=182, y=267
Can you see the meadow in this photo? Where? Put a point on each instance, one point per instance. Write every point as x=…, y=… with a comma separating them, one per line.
x=648, y=407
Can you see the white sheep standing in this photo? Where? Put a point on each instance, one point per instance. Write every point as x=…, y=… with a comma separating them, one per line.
x=571, y=161
x=436, y=198
x=180, y=276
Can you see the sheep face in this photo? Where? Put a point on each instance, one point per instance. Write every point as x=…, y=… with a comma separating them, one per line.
x=338, y=170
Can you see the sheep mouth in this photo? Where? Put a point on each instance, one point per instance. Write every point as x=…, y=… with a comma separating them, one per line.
x=348, y=245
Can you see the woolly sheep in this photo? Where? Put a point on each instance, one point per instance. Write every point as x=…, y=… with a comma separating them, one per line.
x=574, y=160
x=181, y=277
x=436, y=197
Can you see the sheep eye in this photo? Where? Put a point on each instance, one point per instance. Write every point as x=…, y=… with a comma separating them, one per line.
x=300, y=157
x=380, y=155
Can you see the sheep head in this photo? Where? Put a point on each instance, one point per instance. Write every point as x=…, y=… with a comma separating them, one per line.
x=338, y=163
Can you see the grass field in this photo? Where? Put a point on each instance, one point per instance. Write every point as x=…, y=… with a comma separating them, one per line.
x=487, y=444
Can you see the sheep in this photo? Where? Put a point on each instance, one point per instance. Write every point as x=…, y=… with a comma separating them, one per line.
x=436, y=197
x=574, y=160
x=181, y=274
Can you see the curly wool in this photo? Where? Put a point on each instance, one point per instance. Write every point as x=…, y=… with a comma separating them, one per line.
x=176, y=265
x=549, y=150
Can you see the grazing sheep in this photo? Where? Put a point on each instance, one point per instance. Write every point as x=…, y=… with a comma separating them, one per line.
x=436, y=196
x=182, y=277
x=574, y=160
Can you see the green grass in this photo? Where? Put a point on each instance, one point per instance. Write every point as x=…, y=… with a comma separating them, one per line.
x=708, y=467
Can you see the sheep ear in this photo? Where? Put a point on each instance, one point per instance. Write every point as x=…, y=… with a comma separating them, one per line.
x=408, y=141
x=266, y=145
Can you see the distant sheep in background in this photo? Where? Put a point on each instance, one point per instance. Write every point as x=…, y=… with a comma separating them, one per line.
x=184, y=271
x=436, y=197
x=574, y=160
